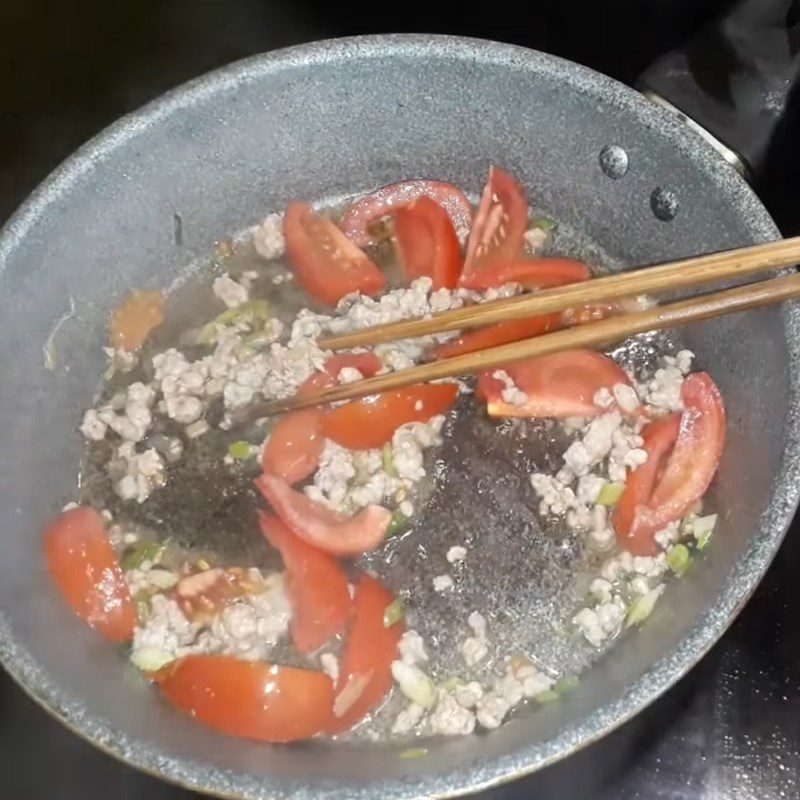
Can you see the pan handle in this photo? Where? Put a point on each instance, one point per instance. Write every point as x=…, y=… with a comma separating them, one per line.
x=733, y=82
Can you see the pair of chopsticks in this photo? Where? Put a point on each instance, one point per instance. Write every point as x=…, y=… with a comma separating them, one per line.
x=730, y=264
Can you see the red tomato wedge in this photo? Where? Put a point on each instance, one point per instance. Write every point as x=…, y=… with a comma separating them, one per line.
x=321, y=527
x=659, y=439
x=545, y=273
x=371, y=421
x=496, y=239
x=427, y=244
x=365, y=672
x=383, y=202
x=327, y=263
x=203, y=595
x=86, y=571
x=494, y=335
x=694, y=460
x=558, y=385
x=368, y=364
x=250, y=699
x=316, y=585
x=295, y=445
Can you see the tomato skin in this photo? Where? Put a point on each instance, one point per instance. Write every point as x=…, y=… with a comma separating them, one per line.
x=250, y=699
x=322, y=527
x=86, y=571
x=494, y=335
x=659, y=438
x=368, y=364
x=327, y=263
x=427, y=244
x=371, y=647
x=383, y=202
x=371, y=421
x=316, y=585
x=544, y=273
x=295, y=445
x=694, y=460
x=558, y=385
x=204, y=594
x=496, y=239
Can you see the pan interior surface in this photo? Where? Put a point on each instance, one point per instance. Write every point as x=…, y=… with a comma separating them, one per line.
x=328, y=121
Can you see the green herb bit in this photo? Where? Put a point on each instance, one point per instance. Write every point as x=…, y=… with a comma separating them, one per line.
x=567, y=683
x=136, y=556
x=387, y=460
x=452, y=683
x=678, y=559
x=240, y=450
x=548, y=696
x=413, y=752
x=545, y=223
x=640, y=609
x=610, y=494
x=703, y=540
x=702, y=528
x=394, y=612
x=398, y=524
x=251, y=311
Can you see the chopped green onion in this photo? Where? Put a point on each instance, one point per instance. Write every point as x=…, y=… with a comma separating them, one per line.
x=610, y=494
x=136, y=556
x=452, y=683
x=703, y=540
x=548, y=696
x=151, y=659
x=394, y=612
x=545, y=223
x=413, y=752
x=142, y=603
x=567, y=683
x=702, y=528
x=387, y=460
x=398, y=524
x=678, y=559
x=640, y=609
x=251, y=311
x=414, y=684
x=240, y=450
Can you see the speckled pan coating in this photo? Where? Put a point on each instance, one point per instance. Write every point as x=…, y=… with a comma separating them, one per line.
x=330, y=119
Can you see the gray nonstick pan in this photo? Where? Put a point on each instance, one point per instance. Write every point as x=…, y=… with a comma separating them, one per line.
x=630, y=184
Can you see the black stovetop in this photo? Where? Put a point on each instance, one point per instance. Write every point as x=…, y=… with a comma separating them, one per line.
x=731, y=728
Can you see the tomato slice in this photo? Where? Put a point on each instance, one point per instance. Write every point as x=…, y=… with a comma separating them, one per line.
x=371, y=421
x=86, y=571
x=368, y=364
x=322, y=527
x=659, y=439
x=203, y=595
x=316, y=584
x=427, y=244
x=494, y=335
x=694, y=460
x=295, y=445
x=250, y=699
x=545, y=273
x=383, y=202
x=496, y=239
x=558, y=385
x=365, y=673
x=327, y=263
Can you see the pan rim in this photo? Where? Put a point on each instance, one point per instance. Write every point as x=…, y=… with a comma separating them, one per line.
x=662, y=675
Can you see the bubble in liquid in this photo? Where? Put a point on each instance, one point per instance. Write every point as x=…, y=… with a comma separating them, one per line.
x=613, y=161
x=664, y=203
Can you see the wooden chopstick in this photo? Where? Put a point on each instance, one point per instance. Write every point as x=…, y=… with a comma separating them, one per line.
x=649, y=280
x=594, y=334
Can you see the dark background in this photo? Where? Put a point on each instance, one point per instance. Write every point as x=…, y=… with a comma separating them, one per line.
x=731, y=729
